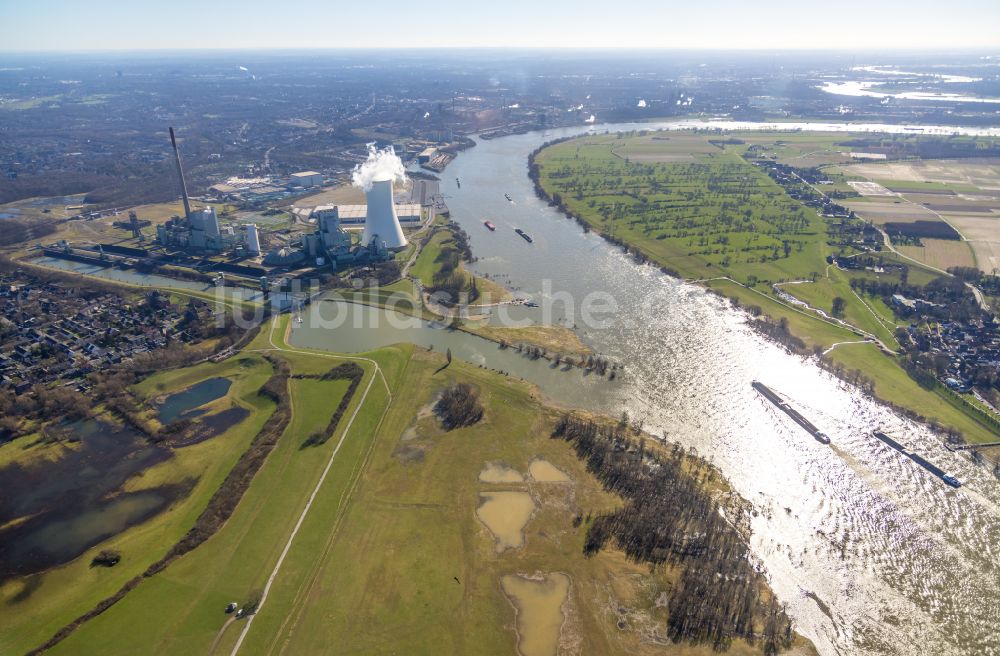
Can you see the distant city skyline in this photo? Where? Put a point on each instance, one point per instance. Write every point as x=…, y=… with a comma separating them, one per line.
x=52, y=25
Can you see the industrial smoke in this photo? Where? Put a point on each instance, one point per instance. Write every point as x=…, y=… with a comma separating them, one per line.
x=381, y=165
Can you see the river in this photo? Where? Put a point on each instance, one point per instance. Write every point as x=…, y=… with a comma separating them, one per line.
x=871, y=553
x=899, y=562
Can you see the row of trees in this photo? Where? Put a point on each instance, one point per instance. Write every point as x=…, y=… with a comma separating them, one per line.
x=350, y=371
x=671, y=519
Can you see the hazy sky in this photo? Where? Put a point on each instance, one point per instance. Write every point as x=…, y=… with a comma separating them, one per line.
x=765, y=24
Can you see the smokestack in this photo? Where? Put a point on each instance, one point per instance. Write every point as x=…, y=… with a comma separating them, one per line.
x=180, y=174
x=381, y=219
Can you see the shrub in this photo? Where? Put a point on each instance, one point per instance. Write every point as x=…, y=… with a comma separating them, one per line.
x=459, y=406
x=106, y=558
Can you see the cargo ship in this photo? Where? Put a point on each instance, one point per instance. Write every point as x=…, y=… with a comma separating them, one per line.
x=773, y=397
x=489, y=224
x=929, y=466
x=879, y=435
x=526, y=236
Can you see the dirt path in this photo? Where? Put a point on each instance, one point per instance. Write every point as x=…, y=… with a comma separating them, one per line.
x=218, y=636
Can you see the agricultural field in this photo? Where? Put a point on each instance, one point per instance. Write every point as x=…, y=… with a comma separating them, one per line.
x=801, y=150
x=940, y=253
x=964, y=194
x=715, y=218
x=979, y=173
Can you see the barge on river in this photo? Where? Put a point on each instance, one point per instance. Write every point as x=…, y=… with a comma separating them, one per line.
x=773, y=397
x=920, y=460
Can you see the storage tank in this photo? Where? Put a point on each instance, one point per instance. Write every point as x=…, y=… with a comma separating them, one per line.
x=381, y=219
x=252, y=239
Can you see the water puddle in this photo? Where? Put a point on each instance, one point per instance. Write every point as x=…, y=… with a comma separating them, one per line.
x=53, y=511
x=180, y=405
x=543, y=471
x=505, y=514
x=538, y=602
x=496, y=472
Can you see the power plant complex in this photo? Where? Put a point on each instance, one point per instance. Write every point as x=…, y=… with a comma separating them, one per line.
x=199, y=232
x=272, y=258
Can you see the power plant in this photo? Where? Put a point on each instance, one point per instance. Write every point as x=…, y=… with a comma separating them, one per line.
x=198, y=241
x=199, y=229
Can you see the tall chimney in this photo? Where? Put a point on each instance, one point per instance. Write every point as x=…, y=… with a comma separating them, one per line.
x=180, y=174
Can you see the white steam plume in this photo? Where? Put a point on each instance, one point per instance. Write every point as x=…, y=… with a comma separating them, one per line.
x=381, y=165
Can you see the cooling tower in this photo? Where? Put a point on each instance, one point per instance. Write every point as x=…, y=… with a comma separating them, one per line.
x=381, y=219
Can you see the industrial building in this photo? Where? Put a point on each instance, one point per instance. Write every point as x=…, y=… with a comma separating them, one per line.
x=307, y=179
x=409, y=214
x=198, y=229
x=199, y=232
x=381, y=220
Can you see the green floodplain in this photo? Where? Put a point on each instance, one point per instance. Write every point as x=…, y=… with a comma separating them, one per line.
x=693, y=204
x=397, y=524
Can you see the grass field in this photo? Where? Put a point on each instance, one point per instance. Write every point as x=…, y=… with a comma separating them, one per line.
x=892, y=384
x=391, y=557
x=820, y=295
x=427, y=262
x=235, y=562
x=58, y=596
x=415, y=506
x=719, y=216
x=714, y=215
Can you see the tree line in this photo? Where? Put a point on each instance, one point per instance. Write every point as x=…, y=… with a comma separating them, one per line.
x=670, y=519
x=350, y=371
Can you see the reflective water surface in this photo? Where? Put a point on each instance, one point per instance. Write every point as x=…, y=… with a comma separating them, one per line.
x=871, y=553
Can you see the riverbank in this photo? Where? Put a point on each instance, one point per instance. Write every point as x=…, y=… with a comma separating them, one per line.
x=407, y=491
x=692, y=171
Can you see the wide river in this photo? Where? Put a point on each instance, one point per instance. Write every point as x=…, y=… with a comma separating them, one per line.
x=872, y=554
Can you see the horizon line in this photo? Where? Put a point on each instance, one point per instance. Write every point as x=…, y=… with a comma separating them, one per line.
x=978, y=49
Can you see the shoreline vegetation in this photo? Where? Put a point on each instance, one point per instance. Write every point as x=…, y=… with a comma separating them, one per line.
x=439, y=268
x=671, y=520
x=584, y=526
x=681, y=172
